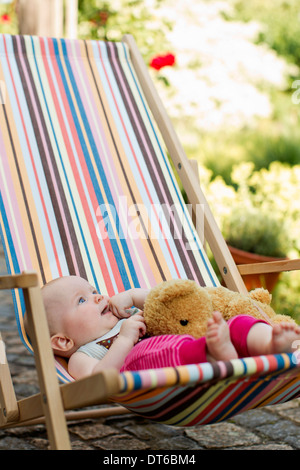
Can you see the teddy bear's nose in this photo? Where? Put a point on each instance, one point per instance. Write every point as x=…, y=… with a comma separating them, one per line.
x=184, y=322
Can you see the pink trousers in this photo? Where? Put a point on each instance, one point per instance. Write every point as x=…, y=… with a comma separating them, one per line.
x=175, y=350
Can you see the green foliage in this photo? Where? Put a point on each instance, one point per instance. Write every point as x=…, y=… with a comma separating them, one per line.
x=280, y=20
x=262, y=205
x=110, y=20
x=271, y=140
x=274, y=138
x=285, y=297
x=252, y=230
x=8, y=19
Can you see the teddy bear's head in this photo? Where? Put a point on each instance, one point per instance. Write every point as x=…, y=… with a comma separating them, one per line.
x=177, y=307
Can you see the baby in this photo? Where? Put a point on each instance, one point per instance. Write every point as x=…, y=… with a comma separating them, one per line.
x=95, y=332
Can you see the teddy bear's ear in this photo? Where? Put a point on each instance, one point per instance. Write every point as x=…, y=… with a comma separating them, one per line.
x=169, y=290
x=261, y=295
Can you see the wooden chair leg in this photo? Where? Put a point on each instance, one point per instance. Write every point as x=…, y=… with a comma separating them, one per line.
x=8, y=403
x=50, y=393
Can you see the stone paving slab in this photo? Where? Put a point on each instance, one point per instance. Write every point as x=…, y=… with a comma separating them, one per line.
x=273, y=428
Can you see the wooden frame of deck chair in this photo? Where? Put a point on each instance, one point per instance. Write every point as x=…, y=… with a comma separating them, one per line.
x=71, y=130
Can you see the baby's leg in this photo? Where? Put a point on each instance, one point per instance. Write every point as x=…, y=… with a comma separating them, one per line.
x=165, y=351
x=218, y=342
x=265, y=339
x=239, y=327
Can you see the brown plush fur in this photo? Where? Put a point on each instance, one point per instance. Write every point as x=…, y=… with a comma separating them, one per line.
x=183, y=307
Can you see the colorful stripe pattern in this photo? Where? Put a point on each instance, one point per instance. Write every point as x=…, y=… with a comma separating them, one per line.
x=84, y=176
x=207, y=393
x=86, y=188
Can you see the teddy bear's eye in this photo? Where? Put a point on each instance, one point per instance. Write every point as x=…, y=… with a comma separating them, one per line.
x=184, y=322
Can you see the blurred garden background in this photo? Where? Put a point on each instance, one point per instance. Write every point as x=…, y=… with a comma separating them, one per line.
x=228, y=72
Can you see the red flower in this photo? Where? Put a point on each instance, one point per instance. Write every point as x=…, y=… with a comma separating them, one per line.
x=103, y=16
x=161, y=61
x=5, y=18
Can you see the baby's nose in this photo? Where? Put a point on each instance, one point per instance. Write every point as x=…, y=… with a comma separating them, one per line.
x=98, y=298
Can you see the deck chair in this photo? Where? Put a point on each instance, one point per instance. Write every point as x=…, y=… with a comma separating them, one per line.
x=87, y=187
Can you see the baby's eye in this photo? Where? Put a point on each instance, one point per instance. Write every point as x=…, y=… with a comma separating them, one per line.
x=81, y=300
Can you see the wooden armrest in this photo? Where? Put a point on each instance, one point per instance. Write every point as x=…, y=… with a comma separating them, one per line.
x=23, y=280
x=269, y=267
x=92, y=390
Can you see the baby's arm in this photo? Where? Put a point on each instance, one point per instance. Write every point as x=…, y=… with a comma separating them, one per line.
x=81, y=365
x=119, y=303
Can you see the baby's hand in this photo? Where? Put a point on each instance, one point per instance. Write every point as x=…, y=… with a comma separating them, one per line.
x=133, y=328
x=119, y=303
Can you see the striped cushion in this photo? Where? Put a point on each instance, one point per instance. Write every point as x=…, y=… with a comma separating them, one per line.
x=86, y=188
x=206, y=393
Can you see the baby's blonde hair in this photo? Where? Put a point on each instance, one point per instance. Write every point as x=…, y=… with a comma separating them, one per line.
x=48, y=299
x=44, y=290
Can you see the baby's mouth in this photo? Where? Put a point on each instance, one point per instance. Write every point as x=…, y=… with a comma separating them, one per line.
x=105, y=310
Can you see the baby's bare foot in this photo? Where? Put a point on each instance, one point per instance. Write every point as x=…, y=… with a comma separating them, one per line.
x=283, y=337
x=218, y=342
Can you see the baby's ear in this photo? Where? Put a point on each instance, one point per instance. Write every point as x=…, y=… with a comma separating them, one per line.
x=61, y=343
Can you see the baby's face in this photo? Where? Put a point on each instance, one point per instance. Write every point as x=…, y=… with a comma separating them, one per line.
x=86, y=314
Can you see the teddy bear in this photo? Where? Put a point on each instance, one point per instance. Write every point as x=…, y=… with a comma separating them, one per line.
x=181, y=306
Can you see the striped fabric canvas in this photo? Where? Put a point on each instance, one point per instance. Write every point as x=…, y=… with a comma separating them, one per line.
x=206, y=393
x=86, y=188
